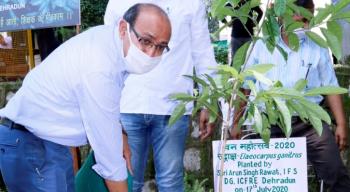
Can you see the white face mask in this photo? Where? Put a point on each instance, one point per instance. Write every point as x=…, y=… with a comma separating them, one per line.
x=137, y=61
x=300, y=32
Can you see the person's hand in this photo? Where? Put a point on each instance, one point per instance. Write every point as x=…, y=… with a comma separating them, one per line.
x=235, y=133
x=127, y=153
x=341, y=137
x=205, y=128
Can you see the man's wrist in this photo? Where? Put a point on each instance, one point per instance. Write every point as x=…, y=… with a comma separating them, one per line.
x=124, y=132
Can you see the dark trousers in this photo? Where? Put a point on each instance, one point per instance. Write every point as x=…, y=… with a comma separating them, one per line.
x=237, y=42
x=322, y=152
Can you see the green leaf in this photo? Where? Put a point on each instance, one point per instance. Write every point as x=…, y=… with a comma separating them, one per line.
x=317, y=39
x=333, y=42
x=278, y=84
x=265, y=135
x=270, y=44
x=182, y=97
x=300, y=85
x=280, y=7
x=341, y=5
x=242, y=95
x=265, y=29
x=274, y=27
x=341, y=15
x=314, y=109
x=297, y=108
x=293, y=41
x=213, y=111
x=326, y=90
x=240, y=56
x=204, y=96
x=196, y=108
x=260, y=77
x=260, y=68
x=322, y=14
x=178, y=112
x=294, y=25
x=271, y=113
x=283, y=52
x=258, y=124
x=301, y=11
x=282, y=107
x=252, y=87
x=240, y=123
x=217, y=7
x=283, y=92
x=211, y=81
x=227, y=69
x=335, y=29
x=197, y=80
x=316, y=123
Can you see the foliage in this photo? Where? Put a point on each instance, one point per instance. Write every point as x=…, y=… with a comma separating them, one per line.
x=276, y=104
x=92, y=12
x=221, y=53
x=193, y=185
x=65, y=32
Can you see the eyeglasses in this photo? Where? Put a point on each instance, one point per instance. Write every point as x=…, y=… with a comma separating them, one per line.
x=147, y=43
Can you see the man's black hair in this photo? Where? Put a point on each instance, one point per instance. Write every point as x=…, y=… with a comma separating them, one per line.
x=132, y=13
x=307, y=4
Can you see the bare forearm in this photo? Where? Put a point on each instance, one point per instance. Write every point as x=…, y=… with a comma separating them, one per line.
x=117, y=186
x=336, y=105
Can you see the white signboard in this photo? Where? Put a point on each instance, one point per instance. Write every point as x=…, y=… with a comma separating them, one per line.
x=253, y=166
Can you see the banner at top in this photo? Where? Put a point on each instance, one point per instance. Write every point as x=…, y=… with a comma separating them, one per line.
x=34, y=14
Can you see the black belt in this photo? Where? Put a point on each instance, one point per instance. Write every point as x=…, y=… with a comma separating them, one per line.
x=12, y=125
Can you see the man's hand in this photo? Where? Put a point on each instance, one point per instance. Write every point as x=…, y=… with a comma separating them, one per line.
x=235, y=134
x=127, y=153
x=341, y=137
x=205, y=128
x=335, y=103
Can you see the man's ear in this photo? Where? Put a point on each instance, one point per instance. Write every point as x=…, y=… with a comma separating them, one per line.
x=123, y=27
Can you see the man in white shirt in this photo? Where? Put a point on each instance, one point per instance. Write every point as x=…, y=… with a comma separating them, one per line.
x=145, y=103
x=73, y=97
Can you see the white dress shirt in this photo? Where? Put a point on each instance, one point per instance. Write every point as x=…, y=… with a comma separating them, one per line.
x=189, y=47
x=73, y=97
x=310, y=62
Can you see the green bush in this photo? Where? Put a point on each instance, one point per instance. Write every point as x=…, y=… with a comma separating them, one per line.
x=221, y=52
x=92, y=12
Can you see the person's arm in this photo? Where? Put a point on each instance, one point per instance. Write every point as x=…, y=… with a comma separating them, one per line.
x=127, y=151
x=98, y=97
x=341, y=133
x=115, y=186
x=203, y=57
x=328, y=78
